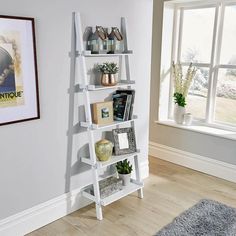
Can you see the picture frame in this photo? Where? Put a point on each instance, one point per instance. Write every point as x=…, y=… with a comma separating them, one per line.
x=124, y=141
x=102, y=113
x=19, y=97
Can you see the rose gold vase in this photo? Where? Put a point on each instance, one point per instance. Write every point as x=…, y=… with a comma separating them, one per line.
x=108, y=79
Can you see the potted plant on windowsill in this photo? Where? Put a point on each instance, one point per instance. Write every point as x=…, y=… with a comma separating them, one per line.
x=181, y=86
x=109, y=72
x=124, y=169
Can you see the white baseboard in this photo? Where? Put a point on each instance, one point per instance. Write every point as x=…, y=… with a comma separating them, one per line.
x=196, y=162
x=38, y=216
x=42, y=214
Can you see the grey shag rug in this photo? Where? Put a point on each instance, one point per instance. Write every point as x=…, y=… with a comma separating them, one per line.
x=206, y=218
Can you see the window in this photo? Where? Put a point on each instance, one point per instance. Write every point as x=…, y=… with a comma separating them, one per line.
x=205, y=35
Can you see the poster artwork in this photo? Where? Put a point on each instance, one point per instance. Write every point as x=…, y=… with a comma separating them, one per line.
x=11, y=82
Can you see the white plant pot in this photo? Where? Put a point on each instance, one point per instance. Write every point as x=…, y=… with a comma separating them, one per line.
x=125, y=179
x=188, y=118
x=179, y=114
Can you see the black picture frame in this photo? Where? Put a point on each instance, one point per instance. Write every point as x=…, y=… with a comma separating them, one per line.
x=19, y=96
x=124, y=141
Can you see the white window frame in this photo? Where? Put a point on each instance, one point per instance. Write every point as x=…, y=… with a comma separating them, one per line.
x=214, y=64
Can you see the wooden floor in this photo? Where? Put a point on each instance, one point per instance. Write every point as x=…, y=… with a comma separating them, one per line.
x=168, y=191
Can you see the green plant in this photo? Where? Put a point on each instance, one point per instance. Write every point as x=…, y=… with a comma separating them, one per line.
x=108, y=68
x=179, y=99
x=124, y=167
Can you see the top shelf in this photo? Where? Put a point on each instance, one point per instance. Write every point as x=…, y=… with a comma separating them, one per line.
x=89, y=54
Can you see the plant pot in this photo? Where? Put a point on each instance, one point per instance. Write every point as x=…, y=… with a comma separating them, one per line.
x=188, y=118
x=103, y=149
x=179, y=114
x=108, y=79
x=125, y=178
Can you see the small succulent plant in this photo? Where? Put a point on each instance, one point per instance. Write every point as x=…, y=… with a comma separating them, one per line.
x=124, y=167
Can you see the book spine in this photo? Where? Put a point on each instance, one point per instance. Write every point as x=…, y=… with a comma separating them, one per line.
x=132, y=106
x=128, y=106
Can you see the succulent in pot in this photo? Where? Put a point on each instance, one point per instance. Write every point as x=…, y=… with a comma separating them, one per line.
x=109, y=71
x=124, y=169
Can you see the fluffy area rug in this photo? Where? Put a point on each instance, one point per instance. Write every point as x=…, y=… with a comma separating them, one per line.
x=206, y=218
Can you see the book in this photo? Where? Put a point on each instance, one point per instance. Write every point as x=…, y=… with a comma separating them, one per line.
x=127, y=107
x=119, y=106
x=128, y=92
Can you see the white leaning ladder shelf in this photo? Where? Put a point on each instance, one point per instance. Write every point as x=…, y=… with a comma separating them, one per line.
x=136, y=184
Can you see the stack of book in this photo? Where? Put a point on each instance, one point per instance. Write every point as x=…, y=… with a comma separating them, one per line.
x=123, y=101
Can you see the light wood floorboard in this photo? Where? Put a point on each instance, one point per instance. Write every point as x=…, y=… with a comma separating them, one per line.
x=168, y=191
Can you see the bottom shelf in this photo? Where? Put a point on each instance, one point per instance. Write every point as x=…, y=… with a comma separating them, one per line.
x=126, y=190
x=132, y=187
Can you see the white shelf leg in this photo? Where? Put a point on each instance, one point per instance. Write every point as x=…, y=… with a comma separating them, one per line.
x=97, y=194
x=95, y=176
x=99, y=212
x=138, y=177
x=140, y=193
x=137, y=168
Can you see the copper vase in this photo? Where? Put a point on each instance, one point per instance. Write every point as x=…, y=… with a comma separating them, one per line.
x=108, y=79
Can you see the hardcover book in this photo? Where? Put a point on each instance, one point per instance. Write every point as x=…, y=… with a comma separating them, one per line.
x=128, y=92
x=119, y=106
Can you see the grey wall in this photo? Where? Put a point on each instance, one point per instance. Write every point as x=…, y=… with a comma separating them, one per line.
x=35, y=156
x=197, y=143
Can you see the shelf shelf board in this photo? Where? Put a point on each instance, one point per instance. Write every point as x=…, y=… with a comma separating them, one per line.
x=97, y=127
x=119, y=85
x=132, y=187
x=126, y=190
x=115, y=159
x=112, y=160
x=89, y=54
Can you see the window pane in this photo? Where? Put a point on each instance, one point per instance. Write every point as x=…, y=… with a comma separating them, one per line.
x=228, y=51
x=225, y=110
x=197, y=35
x=197, y=96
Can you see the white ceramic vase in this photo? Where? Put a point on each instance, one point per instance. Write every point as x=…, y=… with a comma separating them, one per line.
x=125, y=178
x=179, y=114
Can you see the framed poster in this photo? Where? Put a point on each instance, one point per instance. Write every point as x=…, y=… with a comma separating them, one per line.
x=19, y=99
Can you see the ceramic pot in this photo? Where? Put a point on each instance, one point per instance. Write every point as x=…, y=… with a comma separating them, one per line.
x=125, y=179
x=103, y=149
x=179, y=114
x=108, y=79
x=188, y=118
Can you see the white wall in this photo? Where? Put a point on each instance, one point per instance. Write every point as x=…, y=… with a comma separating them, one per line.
x=216, y=148
x=34, y=154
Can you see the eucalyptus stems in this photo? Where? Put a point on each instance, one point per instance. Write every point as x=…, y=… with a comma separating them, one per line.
x=108, y=68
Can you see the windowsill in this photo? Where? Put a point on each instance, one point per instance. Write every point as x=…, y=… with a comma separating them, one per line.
x=196, y=127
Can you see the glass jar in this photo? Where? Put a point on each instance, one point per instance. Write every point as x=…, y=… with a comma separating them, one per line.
x=115, y=41
x=96, y=40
